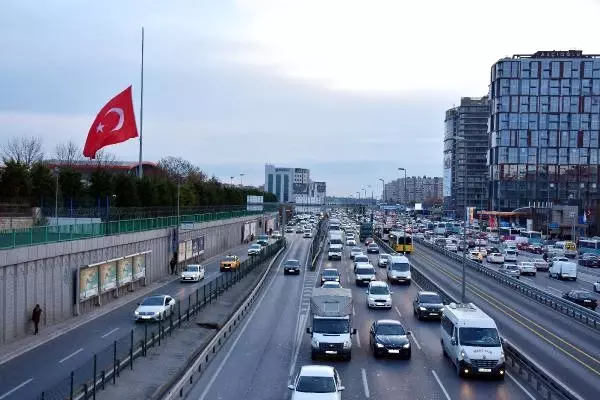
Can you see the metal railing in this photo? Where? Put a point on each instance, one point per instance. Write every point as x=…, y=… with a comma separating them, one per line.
x=582, y=314
x=106, y=365
x=317, y=243
x=61, y=233
x=516, y=360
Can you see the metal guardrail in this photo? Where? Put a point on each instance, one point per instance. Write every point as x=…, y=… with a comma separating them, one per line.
x=316, y=245
x=106, y=365
x=516, y=360
x=582, y=314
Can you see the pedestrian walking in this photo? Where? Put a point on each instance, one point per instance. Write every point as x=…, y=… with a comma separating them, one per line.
x=173, y=265
x=35, y=317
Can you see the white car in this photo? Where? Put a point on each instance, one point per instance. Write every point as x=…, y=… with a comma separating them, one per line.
x=527, y=268
x=383, y=260
x=451, y=247
x=192, y=273
x=355, y=251
x=350, y=242
x=154, y=308
x=510, y=255
x=331, y=285
x=597, y=287
x=317, y=382
x=379, y=295
x=496, y=258
x=307, y=233
x=276, y=235
x=364, y=274
x=254, y=249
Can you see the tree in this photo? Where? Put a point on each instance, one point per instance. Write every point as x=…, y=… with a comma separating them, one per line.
x=126, y=191
x=146, y=188
x=43, y=185
x=180, y=170
x=104, y=158
x=16, y=181
x=101, y=184
x=70, y=183
x=68, y=153
x=23, y=150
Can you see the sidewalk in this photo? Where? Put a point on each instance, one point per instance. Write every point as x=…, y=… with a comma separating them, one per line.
x=47, y=333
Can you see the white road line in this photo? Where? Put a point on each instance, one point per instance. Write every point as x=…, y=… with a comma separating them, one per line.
x=365, y=383
x=441, y=386
x=521, y=386
x=353, y=311
x=357, y=339
x=109, y=333
x=71, y=355
x=556, y=290
x=398, y=311
x=419, y=286
x=414, y=338
x=19, y=386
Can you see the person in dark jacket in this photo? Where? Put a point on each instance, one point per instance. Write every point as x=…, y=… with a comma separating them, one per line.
x=35, y=317
x=173, y=265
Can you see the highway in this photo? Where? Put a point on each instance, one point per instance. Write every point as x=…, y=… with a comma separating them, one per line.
x=566, y=348
x=266, y=353
x=26, y=376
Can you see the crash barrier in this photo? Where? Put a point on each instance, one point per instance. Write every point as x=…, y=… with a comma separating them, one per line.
x=516, y=360
x=317, y=243
x=106, y=365
x=198, y=365
x=582, y=314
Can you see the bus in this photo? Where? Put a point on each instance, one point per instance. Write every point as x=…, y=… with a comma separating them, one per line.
x=439, y=228
x=533, y=237
x=507, y=233
x=591, y=246
x=401, y=242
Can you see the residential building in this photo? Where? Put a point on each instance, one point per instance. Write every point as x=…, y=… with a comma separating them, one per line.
x=418, y=189
x=466, y=143
x=544, y=130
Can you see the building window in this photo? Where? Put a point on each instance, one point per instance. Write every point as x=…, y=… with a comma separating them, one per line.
x=270, y=184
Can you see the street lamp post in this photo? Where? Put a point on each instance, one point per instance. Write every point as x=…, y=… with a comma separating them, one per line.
x=231, y=179
x=56, y=173
x=383, y=199
x=241, y=180
x=464, y=258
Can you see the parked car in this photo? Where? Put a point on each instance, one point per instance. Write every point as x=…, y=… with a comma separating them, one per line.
x=510, y=270
x=154, y=308
x=583, y=298
x=192, y=273
x=388, y=337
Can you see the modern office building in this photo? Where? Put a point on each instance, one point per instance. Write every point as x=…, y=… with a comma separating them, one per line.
x=294, y=185
x=280, y=181
x=416, y=190
x=544, y=130
x=466, y=144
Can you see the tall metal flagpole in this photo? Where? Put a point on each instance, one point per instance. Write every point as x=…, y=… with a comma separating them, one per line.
x=140, y=170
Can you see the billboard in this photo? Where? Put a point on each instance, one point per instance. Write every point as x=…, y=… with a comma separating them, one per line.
x=471, y=215
x=181, y=252
x=447, y=174
x=188, y=249
x=88, y=282
x=108, y=276
x=199, y=245
x=125, y=270
x=139, y=266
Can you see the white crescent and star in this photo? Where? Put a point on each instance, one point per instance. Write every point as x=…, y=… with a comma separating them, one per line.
x=120, y=113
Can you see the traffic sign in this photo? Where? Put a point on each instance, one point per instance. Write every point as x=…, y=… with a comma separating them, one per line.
x=553, y=225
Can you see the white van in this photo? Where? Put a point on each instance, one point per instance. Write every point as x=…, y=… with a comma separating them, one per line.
x=563, y=270
x=398, y=269
x=471, y=340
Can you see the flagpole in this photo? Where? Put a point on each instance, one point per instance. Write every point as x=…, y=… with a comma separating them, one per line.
x=140, y=170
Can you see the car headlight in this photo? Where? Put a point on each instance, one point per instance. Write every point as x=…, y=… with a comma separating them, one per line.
x=502, y=359
x=347, y=344
x=337, y=278
x=422, y=309
x=464, y=356
x=379, y=345
x=136, y=312
x=406, y=346
x=315, y=342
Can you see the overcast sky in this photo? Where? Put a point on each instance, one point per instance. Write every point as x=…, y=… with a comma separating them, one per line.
x=350, y=89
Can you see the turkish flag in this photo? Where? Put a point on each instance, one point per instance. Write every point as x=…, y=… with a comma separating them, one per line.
x=115, y=123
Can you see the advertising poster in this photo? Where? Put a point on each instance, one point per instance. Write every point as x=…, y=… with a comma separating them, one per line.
x=108, y=276
x=447, y=181
x=188, y=249
x=471, y=214
x=88, y=282
x=125, y=270
x=194, y=247
x=181, y=252
x=200, y=241
x=139, y=266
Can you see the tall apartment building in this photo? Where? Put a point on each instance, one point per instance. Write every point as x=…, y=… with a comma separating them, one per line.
x=466, y=144
x=418, y=189
x=294, y=185
x=544, y=129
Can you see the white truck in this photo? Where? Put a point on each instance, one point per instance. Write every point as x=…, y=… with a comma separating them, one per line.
x=335, y=252
x=330, y=330
x=563, y=270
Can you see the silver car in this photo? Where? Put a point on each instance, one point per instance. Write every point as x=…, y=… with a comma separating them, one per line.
x=510, y=270
x=192, y=273
x=365, y=273
x=154, y=308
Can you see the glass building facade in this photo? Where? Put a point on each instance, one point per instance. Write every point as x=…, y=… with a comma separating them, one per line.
x=544, y=129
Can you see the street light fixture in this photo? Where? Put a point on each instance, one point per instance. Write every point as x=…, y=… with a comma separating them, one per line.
x=241, y=181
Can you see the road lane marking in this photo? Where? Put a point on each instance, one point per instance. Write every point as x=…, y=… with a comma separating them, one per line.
x=357, y=339
x=441, y=385
x=398, y=311
x=71, y=355
x=365, y=383
x=109, y=333
x=532, y=397
x=415, y=340
x=353, y=311
x=556, y=290
x=19, y=386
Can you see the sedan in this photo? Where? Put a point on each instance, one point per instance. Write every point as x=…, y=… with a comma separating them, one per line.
x=510, y=270
x=355, y=251
x=589, y=260
x=331, y=285
x=388, y=337
x=373, y=248
x=192, y=273
x=291, y=267
x=496, y=258
x=317, y=382
x=350, y=242
x=289, y=229
x=369, y=240
x=383, y=260
x=583, y=298
x=254, y=249
x=330, y=274
x=154, y=308
x=299, y=230
x=427, y=305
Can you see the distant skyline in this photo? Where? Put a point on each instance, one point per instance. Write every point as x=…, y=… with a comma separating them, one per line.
x=233, y=85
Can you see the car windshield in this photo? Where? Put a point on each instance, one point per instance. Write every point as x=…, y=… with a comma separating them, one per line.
x=263, y=237
x=390, y=329
x=358, y=259
x=331, y=326
x=431, y=299
x=356, y=250
x=330, y=272
x=292, y=263
x=400, y=266
x=479, y=337
x=316, y=384
x=255, y=246
x=153, y=301
x=365, y=271
x=511, y=267
x=191, y=268
x=331, y=285
x=379, y=290
x=373, y=245
x=229, y=258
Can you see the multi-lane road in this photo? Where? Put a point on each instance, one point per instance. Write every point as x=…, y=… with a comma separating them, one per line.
x=566, y=348
x=26, y=376
x=268, y=350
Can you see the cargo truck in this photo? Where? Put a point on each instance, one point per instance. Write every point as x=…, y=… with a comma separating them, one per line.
x=330, y=323
x=366, y=231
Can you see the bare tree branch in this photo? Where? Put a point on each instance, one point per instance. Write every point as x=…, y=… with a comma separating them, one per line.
x=180, y=170
x=68, y=153
x=104, y=158
x=23, y=150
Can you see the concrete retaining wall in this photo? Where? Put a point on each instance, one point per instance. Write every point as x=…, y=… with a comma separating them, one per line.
x=44, y=274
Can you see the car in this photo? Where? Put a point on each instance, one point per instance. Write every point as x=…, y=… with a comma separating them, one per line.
x=589, y=260
x=154, y=308
x=527, y=268
x=369, y=240
x=350, y=236
x=317, y=382
x=453, y=247
x=331, y=285
x=299, y=230
x=330, y=274
x=229, y=262
x=254, y=249
x=372, y=248
x=382, y=260
x=511, y=255
x=361, y=258
x=388, y=337
x=582, y=297
x=307, y=233
x=350, y=242
x=510, y=270
x=379, y=295
x=192, y=273
x=355, y=251
x=364, y=274
x=495, y=258
x=335, y=252
x=276, y=235
x=540, y=265
x=291, y=266
x=289, y=229
x=263, y=240
x=475, y=256
x=597, y=287
x=427, y=305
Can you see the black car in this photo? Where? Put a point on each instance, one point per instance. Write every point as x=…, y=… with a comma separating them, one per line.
x=373, y=248
x=291, y=267
x=289, y=229
x=388, y=337
x=583, y=298
x=589, y=260
x=427, y=305
x=299, y=230
x=330, y=274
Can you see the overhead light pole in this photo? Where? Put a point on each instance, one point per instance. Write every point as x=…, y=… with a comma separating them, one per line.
x=241, y=180
x=464, y=258
x=231, y=179
x=404, y=195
